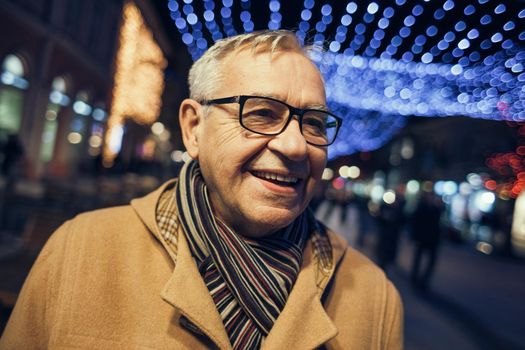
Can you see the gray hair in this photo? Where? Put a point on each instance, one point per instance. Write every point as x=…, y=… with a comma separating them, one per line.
x=206, y=73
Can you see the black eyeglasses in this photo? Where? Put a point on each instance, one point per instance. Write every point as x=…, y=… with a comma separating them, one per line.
x=269, y=116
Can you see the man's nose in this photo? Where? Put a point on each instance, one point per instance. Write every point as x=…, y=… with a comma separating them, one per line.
x=291, y=142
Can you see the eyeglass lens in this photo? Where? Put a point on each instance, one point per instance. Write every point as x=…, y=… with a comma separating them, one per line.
x=266, y=116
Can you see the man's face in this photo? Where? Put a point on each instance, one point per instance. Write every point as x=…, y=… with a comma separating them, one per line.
x=238, y=165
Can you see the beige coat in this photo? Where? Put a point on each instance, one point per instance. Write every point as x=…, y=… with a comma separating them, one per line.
x=104, y=281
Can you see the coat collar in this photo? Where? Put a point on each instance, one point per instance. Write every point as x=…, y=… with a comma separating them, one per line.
x=303, y=323
x=185, y=287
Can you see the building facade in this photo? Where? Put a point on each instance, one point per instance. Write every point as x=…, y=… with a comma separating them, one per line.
x=57, y=79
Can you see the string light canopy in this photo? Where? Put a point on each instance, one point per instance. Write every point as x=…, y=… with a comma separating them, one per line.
x=386, y=61
x=139, y=79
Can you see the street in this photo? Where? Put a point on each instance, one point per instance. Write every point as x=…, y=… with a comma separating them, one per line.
x=475, y=301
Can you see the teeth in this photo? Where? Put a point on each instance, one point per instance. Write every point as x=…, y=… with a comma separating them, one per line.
x=272, y=176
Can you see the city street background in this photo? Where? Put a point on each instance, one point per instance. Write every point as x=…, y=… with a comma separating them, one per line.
x=474, y=300
x=430, y=157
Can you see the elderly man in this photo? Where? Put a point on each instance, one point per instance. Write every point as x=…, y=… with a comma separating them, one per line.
x=227, y=255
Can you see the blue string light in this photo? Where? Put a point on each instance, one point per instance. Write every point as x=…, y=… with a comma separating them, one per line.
x=509, y=26
x=417, y=10
x=275, y=16
x=485, y=19
x=439, y=14
x=448, y=5
x=460, y=26
x=351, y=8
x=360, y=29
x=321, y=25
x=226, y=18
x=409, y=21
x=475, y=67
x=469, y=10
x=372, y=8
x=389, y=88
x=432, y=30
x=306, y=15
x=379, y=34
x=500, y=9
x=247, y=24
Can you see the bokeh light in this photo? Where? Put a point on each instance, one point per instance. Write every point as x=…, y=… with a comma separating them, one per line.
x=379, y=71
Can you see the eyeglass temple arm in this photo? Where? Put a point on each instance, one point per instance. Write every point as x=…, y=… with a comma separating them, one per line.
x=221, y=100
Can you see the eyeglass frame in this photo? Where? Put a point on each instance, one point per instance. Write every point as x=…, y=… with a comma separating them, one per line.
x=294, y=111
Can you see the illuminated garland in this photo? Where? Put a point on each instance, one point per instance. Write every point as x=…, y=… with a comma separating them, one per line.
x=139, y=79
x=510, y=167
x=474, y=68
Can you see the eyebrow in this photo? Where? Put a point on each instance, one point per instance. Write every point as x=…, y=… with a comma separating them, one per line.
x=321, y=107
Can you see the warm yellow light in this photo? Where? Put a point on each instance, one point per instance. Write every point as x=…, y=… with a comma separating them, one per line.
x=176, y=156
x=139, y=76
x=157, y=128
x=328, y=174
x=389, y=197
x=165, y=136
x=148, y=149
x=343, y=171
x=95, y=141
x=484, y=247
x=51, y=114
x=74, y=138
x=412, y=186
x=353, y=172
x=93, y=152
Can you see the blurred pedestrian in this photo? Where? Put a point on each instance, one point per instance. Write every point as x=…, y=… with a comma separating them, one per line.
x=425, y=232
x=12, y=151
x=390, y=221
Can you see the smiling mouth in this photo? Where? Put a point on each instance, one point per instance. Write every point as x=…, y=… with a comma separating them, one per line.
x=278, y=179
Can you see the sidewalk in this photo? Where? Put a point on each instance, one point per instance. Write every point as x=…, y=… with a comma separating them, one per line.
x=475, y=301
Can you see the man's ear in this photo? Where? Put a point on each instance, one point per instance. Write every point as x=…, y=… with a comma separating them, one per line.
x=190, y=119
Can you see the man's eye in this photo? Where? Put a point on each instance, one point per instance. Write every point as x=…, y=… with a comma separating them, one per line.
x=264, y=112
x=314, y=123
x=314, y=126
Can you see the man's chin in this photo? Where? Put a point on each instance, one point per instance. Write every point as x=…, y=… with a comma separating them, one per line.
x=270, y=221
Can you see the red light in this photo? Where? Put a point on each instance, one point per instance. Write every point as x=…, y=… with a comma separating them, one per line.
x=502, y=106
x=490, y=185
x=338, y=183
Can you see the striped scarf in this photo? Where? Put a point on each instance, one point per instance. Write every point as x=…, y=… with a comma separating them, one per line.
x=249, y=280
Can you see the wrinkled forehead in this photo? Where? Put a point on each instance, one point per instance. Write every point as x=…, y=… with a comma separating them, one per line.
x=248, y=62
x=268, y=49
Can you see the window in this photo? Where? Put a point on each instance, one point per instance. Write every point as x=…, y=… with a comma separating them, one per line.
x=12, y=91
x=57, y=100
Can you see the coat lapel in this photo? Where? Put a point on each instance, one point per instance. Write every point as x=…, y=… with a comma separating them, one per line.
x=187, y=292
x=303, y=323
